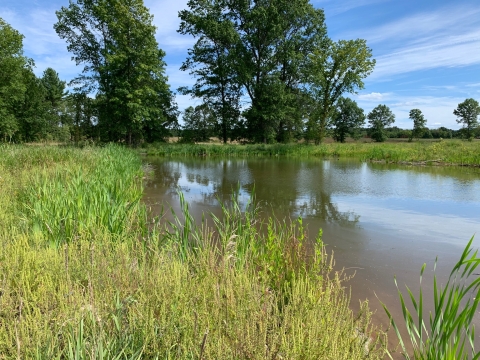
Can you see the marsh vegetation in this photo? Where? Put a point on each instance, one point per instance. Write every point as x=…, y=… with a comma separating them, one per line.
x=86, y=273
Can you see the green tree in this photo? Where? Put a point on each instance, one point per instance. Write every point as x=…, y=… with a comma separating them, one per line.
x=115, y=40
x=33, y=111
x=255, y=47
x=332, y=71
x=274, y=37
x=419, y=123
x=467, y=114
x=210, y=62
x=199, y=123
x=81, y=114
x=347, y=120
x=12, y=85
x=54, y=87
x=380, y=118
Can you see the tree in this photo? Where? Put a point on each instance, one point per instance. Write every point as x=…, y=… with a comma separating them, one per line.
x=467, y=114
x=379, y=118
x=210, y=62
x=12, y=85
x=419, y=123
x=54, y=87
x=347, y=120
x=115, y=40
x=274, y=37
x=257, y=47
x=332, y=71
x=198, y=123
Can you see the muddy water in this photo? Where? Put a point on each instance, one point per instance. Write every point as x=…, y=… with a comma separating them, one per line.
x=379, y=220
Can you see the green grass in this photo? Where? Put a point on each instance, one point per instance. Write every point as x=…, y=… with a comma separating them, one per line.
x=86, y=274
x=443, y=152
x=449, y=333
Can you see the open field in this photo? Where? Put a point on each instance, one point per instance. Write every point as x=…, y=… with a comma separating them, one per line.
x=444, y=152
x=86, y=273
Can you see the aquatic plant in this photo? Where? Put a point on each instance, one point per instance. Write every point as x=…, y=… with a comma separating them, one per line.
x=449, y=334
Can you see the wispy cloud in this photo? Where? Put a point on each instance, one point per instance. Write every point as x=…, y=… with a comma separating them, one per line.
x=374, y=96
x=165, y=18
x=446, y=37
x=41, y=41
x=333, y=7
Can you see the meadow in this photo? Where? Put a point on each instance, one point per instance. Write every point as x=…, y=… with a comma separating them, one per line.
x=87, y=273
x=440, y=152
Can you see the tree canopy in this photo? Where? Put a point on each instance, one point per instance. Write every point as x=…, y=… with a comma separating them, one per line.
x=379, y=118
x=347, y=120
x=123, y=65
x=467, y=113
x=419, y=123
x=333, y=71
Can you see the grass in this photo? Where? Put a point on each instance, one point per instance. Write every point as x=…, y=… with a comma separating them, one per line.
x=442, y=152
x=85, y=273
x=449, y=334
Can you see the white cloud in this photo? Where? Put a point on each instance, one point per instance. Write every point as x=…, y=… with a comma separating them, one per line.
x=425, y=26
x=165, y=18
x=456, y=51
x=446, y=37
x=333, y=8
x=372, y=96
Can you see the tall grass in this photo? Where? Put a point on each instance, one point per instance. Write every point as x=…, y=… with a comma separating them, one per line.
x=86, y=274
x=453, y=152
x=449, y=333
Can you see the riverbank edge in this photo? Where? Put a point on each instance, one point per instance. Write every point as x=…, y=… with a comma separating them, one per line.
x=70, y=290
x=438, y=153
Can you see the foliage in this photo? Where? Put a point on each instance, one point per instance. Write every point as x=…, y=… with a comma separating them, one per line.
x=99, y=295
x=199, y=123
x=116, y=42
x=379, y=118
x=255, y=48
x=210, y=61
x=467, y=114
x=332, y=71
x=347, y=120
x=419, y=123
x=31, y=108
x=12, y=87
x=451, y=152
x=450, y=334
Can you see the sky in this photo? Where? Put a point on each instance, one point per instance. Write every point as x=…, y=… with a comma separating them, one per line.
x=427, y=52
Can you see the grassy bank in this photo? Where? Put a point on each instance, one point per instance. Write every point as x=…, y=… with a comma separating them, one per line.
x=85, y=273
x=451, y=152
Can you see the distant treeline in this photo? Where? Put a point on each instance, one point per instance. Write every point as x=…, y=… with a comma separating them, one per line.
x=263, y=71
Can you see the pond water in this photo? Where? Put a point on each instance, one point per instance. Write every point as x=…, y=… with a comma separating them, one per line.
x=380, y=220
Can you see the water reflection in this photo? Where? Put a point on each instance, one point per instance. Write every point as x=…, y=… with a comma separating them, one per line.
x=287, y=188
x=381, y=220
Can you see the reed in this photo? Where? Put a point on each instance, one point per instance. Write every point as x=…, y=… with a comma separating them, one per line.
x=448, y=333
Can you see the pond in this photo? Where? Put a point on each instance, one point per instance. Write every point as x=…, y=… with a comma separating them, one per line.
x=380, y=220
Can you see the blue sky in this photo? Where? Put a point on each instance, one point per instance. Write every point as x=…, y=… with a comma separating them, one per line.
x=427, y=52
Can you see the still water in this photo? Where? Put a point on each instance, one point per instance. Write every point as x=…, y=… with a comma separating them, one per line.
x=379, y=220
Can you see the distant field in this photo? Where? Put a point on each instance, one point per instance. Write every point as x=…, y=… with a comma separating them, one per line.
x=434, y=152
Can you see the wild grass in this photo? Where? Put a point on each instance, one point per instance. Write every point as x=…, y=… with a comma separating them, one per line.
x=442, y=152
x=449, y=334
x=85, y=274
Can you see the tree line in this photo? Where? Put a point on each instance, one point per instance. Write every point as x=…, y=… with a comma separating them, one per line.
x=264, y=70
